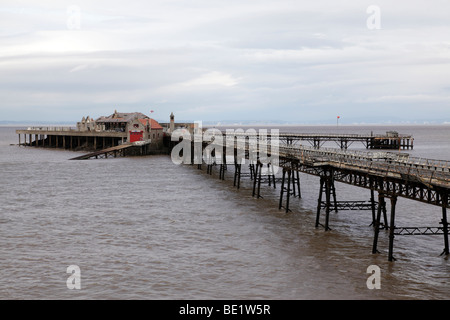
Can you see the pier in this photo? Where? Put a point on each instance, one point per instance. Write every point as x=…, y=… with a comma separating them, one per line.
x=390, y=140
x=118, y=134
x=70, y=138
x=104, y=153
x=386, y=175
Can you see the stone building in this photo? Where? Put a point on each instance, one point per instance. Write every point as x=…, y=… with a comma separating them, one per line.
x=137, y=126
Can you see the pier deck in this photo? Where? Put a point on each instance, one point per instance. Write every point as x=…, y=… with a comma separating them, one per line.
x=70, y=138
x=390, y=140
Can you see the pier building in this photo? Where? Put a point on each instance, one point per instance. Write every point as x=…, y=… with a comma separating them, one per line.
x=133, y=129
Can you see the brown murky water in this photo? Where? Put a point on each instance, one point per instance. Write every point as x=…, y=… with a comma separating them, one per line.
x=144, y=228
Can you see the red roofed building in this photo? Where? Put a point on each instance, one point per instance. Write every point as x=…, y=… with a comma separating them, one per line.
x=137, y=126
x=152, y=130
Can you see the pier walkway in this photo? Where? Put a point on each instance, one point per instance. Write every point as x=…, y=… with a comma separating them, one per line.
x=390, y=140
x=113, y=152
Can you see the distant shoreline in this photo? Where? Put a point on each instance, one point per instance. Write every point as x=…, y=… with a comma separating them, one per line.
x=244, y=124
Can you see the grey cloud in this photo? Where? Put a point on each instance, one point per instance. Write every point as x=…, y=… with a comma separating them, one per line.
x=273, y=59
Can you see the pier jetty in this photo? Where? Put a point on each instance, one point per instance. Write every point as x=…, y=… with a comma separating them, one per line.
x=387, y=175
x=118, y=134
x=144, y=135
x=389, y=140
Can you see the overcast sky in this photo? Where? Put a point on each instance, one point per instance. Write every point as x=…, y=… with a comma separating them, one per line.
x=263, y=60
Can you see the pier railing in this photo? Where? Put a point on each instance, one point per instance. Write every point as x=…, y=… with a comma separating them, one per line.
x=69, y=129
x=331, y=135
x=383, y=164
x=51, y=129
x=393, y=157
x=433, y=172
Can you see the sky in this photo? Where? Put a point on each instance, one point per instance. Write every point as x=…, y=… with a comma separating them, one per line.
x=210, y=60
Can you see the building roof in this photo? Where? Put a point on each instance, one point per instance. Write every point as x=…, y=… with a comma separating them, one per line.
x=121, y=117
x=153, y=123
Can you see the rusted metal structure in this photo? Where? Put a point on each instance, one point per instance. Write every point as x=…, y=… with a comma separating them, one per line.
x=390, y=140
x=391, y=175
x=115, y=152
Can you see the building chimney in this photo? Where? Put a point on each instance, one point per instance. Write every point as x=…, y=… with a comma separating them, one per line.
x=172, y=123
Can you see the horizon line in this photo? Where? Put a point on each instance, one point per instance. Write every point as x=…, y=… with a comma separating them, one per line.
x=240, y=123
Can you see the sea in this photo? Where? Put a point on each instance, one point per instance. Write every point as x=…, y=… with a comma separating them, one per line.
x=144, y=228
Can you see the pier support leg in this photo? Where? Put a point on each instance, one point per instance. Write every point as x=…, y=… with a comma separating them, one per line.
x=282, y=189
x=445, y=224
x=251, y=166
x=386, y=225
x=294, y=193
x=255, y=180
x=381, y=205
x=333, y=192
x=327, y=187
x=319, y=201
x=288, y=192
x=237, y=175
x=221, y=172
x=259, y=180
x=392, y=229
x=372, y=203
x=285, y=188
x=271, y=175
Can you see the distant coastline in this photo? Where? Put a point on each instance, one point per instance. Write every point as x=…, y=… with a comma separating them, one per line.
x=242, y=123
